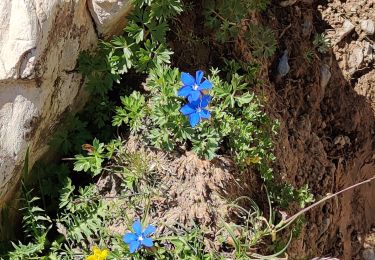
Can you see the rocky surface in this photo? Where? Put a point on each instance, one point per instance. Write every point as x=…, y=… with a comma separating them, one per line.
x=326, y=109
x=109, y=15
x=40, y=41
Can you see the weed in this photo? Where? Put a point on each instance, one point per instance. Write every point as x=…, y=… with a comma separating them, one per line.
x=309, y=56
x=321, y=43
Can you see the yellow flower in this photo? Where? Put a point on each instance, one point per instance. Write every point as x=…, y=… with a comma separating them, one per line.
x=252, y=160
x=98, y=254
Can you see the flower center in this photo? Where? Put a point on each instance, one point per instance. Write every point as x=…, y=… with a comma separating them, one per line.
x=140, y=238
x=199, y=109
x=195, y=86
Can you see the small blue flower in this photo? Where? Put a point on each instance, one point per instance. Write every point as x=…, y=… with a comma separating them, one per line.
x=139, y=238
x=195, y=110
x=192, y=87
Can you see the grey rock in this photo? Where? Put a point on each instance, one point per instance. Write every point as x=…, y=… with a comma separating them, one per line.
x=368, y=254
x=325, y=75
x=347, y=28
x=356, y=58
x=307, y=27
x=283, y=67
x=368, y=52
x=368, y=26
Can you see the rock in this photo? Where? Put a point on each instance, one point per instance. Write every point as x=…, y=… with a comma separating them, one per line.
x=355, y=59
x=109, y=15
x=288, y=3
x=325, y=76
x=283, y=66
x=368, y=254
x=40, y=41
x=346, y=29
x=368, y=26
x=340, y=141
x=368, y=52
x=307, y=26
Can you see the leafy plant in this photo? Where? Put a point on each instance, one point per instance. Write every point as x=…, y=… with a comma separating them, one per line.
x=321, y=43
x=226, y=19
x=70, y=137
x=94, y=159
x=262, y=40
x=36, y=226
x=132, y=112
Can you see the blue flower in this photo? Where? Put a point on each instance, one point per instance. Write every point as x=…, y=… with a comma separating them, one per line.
x=195, y=110
x=139, y=238
x=192, y=87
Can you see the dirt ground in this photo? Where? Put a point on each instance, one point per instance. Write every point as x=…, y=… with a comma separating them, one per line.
x=326, y=108
x=327, y=132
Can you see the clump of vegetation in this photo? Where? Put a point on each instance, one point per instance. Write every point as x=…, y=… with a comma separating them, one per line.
x=321, y=43
x=219, y=115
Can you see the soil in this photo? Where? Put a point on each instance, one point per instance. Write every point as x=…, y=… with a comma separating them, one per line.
x=326, y=137
x=326, y=109
x=327, y=132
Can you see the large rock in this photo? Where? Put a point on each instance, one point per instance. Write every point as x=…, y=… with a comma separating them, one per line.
x=109, y=15
x=40, y=41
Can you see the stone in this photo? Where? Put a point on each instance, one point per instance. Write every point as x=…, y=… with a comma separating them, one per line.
x=355, y=59
x=109, y=15
x=283, y=66
x=40, y=41
x=346, y=29
x=307, y=26
x=288, y=3
x=325, y=76
x=368, y=26
x=368, y=52
x=368, y=254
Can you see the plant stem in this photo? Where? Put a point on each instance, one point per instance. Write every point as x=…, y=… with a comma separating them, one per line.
x=289, y=220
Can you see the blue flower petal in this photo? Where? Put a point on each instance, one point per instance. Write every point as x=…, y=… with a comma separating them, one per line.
x=194, y=95
x=147, y=242
x=129, y=237
x=184, y=91
x=134, y=246
x=205, y=101
x=198, y=77
x=187, y=79
x=187, y=110
x=205, y=114
x=149, y=230
x=137, y=227
x=194, y=119
x=205, y=85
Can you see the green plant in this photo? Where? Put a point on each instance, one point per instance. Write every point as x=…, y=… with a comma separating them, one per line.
x=309, y=55
x=132, y=111
x=225, y=17
x=36, y=225
x=321, y=43
x=68, y=139
x=262, y=40
x=94, y=159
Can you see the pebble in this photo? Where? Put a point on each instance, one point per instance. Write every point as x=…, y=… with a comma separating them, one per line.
x=347, y=28
x=325, y=75
x=307, y=27
x=283, y=67
x=368, y=26
x=368, y=254
x=356, y=58
x=368, y=52
x=341, y=141
x=288, y=3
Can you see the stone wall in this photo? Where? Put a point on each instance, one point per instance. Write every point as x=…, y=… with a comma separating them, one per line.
x=40, y=41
